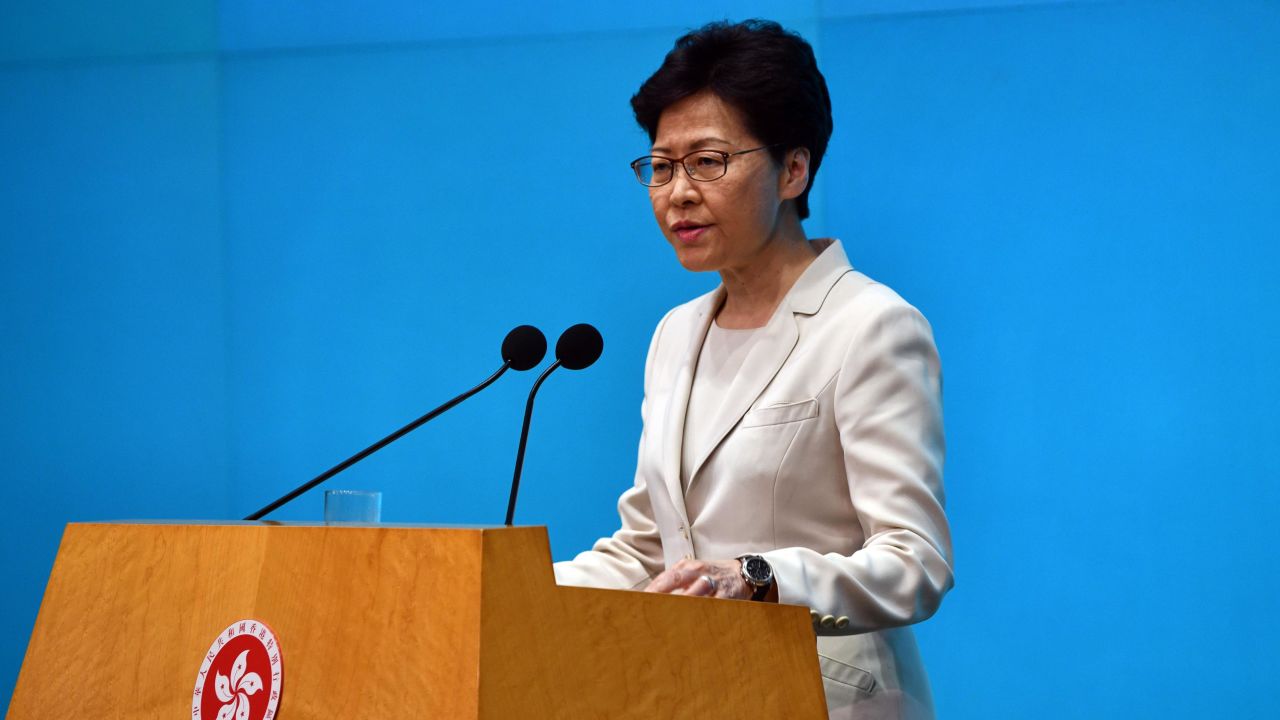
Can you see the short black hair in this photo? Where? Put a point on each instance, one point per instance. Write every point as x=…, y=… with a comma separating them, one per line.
x=767, y=73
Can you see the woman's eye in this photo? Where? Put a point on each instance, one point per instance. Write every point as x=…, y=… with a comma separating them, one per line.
x=708, y=162
x=660, y=167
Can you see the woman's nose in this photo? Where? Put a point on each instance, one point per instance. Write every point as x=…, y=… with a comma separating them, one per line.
x=684, y=190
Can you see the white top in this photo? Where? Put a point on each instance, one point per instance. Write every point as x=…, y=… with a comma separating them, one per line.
x=721, y=358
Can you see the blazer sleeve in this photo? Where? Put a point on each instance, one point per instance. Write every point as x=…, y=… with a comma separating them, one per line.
x=632, y=556
x=888, y=411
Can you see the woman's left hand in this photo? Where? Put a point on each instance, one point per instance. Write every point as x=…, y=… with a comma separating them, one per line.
x=711, y=578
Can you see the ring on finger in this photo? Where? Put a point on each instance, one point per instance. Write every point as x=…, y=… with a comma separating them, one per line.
x=710, y=581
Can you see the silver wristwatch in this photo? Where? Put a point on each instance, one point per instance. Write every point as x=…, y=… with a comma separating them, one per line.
x=758, y=574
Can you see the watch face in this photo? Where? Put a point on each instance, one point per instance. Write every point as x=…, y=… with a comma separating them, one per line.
x=757, y=570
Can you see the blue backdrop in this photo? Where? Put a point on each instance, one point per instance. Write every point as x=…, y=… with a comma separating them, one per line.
x=241, y=240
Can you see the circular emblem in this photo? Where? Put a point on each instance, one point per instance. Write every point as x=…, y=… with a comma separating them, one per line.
x=240, y=676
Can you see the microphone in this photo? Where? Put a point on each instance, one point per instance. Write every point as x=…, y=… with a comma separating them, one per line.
x=577, y=348
x=523, y=348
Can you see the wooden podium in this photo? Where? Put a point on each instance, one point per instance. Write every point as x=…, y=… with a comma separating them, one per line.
x=391, y=621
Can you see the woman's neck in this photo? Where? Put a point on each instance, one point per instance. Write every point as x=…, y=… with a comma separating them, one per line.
x=753, y=292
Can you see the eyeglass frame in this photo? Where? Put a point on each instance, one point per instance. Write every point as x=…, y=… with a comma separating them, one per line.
x=680, y=161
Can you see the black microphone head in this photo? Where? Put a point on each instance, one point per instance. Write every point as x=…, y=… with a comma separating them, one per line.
x=579, y=347
x=524, y=347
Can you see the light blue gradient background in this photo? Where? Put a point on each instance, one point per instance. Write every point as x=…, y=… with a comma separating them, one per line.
x=240, y=240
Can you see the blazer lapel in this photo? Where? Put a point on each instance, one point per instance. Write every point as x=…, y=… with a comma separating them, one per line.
x=673, y=424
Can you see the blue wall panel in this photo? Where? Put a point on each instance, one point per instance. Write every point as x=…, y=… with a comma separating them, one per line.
x=835, y=9
x=63, y=29
x=111, y=305
x=247, y=25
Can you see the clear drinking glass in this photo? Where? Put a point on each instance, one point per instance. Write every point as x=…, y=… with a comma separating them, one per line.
x=352, y=506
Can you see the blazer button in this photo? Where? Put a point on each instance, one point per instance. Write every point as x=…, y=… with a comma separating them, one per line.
x=842, y=622
x=828, y=621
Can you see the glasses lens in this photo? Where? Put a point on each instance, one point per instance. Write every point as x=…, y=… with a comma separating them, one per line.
x=705, y=165
x=653, y=171
x=644, y=170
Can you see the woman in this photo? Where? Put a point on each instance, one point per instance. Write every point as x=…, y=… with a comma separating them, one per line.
x=792, y=445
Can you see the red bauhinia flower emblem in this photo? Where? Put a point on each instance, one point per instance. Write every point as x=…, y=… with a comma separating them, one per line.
x=234, y=692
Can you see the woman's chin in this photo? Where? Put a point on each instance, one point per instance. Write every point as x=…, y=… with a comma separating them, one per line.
x=695, y=260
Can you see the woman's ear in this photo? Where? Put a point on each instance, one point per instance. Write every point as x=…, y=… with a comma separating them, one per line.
x=795, y=173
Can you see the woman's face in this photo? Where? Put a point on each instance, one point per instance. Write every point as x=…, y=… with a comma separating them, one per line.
x=725, y=223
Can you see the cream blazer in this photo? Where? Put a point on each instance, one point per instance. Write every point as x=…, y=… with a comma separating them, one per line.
x=828, y=463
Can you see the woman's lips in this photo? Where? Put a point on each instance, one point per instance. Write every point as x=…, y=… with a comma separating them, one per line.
x=690, y=233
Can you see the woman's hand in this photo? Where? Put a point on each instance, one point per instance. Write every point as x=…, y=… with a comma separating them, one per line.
x=711, y=578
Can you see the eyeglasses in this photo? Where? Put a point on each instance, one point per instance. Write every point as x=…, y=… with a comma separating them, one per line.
x=701, y=165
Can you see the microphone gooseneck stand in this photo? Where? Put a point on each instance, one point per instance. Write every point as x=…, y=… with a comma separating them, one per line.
x=577, y=348
x=523, y=348
x=524, y=438
x=377, y=446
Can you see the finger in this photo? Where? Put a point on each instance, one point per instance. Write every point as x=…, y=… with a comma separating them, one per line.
x=695, y=586
x=659, y=584
x=688, y=583
x=667, y=582
x=706, y=585
x=691, y=565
